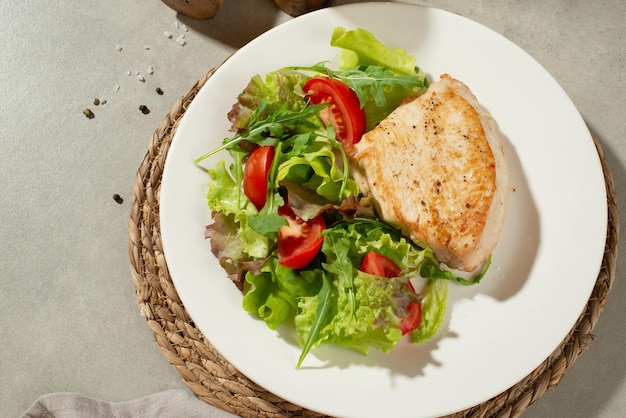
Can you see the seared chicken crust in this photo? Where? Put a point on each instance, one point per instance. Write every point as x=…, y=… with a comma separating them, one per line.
x=435, y=168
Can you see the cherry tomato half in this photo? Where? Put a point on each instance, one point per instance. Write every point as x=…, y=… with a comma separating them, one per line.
x=255, y=175
x=300, y=241
x=413, y=318
x=379, y=265
x=344, y=113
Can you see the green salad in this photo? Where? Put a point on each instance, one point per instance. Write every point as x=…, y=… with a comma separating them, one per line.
x=291, y=227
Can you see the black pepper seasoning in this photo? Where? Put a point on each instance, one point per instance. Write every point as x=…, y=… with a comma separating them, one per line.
x=118, y=199
x=144, y=109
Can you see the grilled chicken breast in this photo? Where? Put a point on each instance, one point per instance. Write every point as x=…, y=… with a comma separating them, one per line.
x=435, y=168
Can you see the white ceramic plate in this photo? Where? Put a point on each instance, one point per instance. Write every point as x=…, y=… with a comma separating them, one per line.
x=494, y=334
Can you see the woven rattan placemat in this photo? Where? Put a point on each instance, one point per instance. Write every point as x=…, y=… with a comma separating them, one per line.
x=218, y=383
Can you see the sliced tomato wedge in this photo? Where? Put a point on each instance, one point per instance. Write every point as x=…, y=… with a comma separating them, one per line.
x=344, y=113
x=255, y=174
x=413, y=319
x=379, y=265
x=300, y=241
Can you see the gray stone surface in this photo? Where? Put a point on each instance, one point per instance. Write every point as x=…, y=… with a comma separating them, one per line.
x=69, y=320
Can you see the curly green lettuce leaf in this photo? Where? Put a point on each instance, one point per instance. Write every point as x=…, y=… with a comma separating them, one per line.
x=273, y=294
x=381, y=76
x=315, y=167
x=277, y=89
x=372, y=322
x=359, y=311
x=224, y=195
x=369, y=234
x=435, y=297
x=361, y=47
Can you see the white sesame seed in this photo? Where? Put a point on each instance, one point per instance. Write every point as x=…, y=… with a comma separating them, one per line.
x=118, y=47
x=181, y=41
x=140, y=78
x=151, y=70
x=168, y=34
x=146, y=47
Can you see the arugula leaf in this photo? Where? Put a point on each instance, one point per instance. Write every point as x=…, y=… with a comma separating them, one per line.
x=377, y=82
x=283, y=123
x=336, y=248
x=323, y=306
x=372, y=80
x=237, y=170
x=379, y=90
x=274, y=90
x=380, y=303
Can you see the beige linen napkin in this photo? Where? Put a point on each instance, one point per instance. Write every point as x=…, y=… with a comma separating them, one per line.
x=170, y=403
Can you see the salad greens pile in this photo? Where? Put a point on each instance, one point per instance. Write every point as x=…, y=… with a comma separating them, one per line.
x=330, y=301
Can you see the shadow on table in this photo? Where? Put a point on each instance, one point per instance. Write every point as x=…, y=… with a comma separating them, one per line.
x=237, y=22
x=240, y=21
